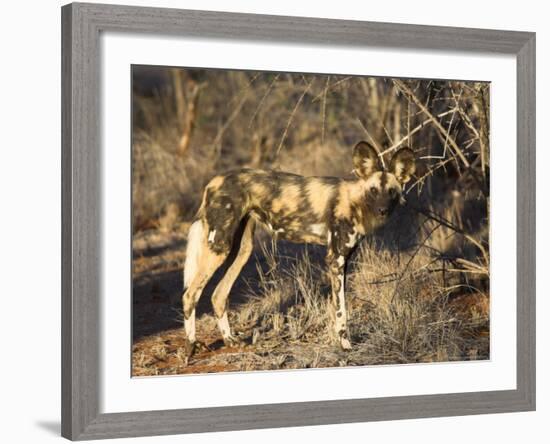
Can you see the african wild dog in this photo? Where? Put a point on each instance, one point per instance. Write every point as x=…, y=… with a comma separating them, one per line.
x=328, y=211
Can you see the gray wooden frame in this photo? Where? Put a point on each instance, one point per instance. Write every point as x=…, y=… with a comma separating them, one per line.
x=81, y=231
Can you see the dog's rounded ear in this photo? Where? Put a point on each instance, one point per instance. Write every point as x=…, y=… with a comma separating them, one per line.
x=403, y=165
x=365, y=159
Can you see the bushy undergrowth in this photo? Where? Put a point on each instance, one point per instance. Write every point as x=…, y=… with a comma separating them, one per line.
x=402, y=309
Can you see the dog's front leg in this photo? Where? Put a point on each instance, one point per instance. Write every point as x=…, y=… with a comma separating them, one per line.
x=336, y=261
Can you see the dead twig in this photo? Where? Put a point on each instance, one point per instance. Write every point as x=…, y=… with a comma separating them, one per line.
x=397, y=144
x=262, y=100
x=442, y=221
x=291, y=117
x=324, y=111
x=411, y=259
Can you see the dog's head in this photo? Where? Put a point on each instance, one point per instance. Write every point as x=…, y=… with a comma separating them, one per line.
x=383, y=188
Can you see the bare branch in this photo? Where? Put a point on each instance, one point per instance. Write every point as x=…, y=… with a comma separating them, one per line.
x=415, y=130
x=291, y=117
x=411, y=96
x=324, y=110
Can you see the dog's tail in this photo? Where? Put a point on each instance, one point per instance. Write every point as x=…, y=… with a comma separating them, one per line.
x=193, y=253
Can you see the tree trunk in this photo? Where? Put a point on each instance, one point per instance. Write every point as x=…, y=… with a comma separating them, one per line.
x=189, y=119
x=186, y=96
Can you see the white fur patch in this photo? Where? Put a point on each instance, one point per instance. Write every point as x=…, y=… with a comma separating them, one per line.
x=190, y=327
x=352, y=239
x=318, y=229
x=223, y=325
x=270, y=228
x=341, y=292
x=341, y=320
x=340, y=261
x=193, y=252
x=211, y=236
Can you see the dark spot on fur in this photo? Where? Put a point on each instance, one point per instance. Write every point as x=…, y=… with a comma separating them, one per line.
x=383, y=181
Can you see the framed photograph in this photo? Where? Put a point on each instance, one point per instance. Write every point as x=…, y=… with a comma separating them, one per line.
x=278, y=221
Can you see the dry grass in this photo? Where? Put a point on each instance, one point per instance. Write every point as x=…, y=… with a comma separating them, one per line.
x=402, y=310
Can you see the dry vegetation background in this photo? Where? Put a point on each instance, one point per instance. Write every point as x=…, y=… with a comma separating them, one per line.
x=417, y=290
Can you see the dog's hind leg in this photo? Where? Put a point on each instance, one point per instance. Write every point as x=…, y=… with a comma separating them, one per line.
x=242, y=248
x=200, y=265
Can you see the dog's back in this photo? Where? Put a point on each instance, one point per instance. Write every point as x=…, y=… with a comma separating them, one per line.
x=296, y=208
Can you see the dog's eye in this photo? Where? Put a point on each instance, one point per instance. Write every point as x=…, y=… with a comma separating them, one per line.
x=391, y=192
x=373, y=190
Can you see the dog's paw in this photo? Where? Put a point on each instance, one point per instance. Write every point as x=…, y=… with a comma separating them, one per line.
x=345, y=344
x=192, y=348
x=201, y=347
x=188, y=348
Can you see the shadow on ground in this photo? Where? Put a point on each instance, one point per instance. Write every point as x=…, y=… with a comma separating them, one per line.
x=286, y=326
x=158, y=272
x=157, y=283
